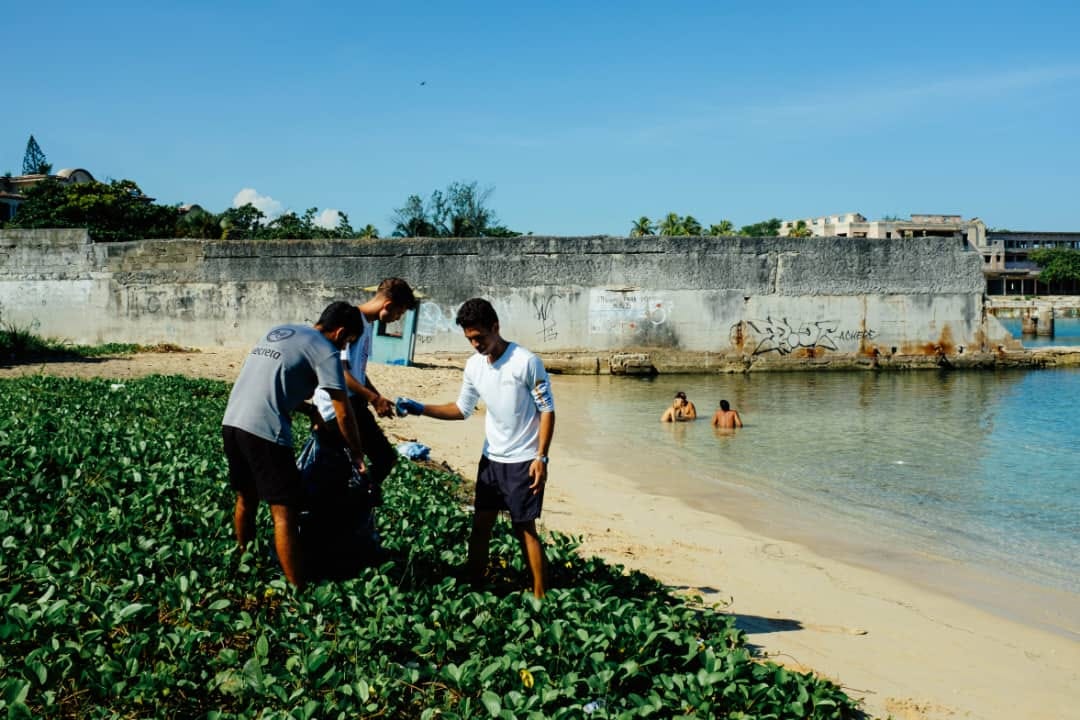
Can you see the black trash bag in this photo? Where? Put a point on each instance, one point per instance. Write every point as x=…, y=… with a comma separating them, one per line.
x=337, y=518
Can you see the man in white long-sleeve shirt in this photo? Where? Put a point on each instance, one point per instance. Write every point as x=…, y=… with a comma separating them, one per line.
x=519, y=425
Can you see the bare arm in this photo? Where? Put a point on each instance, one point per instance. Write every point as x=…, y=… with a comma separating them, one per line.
x=347, y=425
x=538, y=468
x=446, y=411
x=384, y=407
x=355, y=386
x=738, y=420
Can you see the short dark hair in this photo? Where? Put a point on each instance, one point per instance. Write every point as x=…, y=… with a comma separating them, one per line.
x=341, y=315
x=477, y=313
x=680, y=394
x=398, y=292
x=724, y=405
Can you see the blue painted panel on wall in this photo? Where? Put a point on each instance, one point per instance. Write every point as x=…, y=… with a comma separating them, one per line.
x=394, y=344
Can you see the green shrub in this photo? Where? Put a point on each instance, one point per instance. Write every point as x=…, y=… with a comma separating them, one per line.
x=122, y=595
x=18, y=344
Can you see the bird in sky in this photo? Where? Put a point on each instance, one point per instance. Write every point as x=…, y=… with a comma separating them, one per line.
x=423, y=82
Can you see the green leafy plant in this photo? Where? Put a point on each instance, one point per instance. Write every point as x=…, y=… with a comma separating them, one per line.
x=122, y=594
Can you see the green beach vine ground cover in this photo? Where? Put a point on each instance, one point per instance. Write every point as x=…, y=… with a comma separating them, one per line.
x=122, y=595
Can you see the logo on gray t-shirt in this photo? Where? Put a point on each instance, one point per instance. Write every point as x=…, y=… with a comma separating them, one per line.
x=276, y=379
x=279, y=334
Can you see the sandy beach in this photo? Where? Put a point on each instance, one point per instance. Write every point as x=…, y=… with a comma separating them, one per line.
x=906, y=651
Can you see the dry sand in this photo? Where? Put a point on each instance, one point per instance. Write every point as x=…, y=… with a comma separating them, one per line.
x=910, y=653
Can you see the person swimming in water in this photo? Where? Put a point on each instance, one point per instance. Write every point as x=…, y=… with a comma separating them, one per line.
x=725, y=418
x=681, y=410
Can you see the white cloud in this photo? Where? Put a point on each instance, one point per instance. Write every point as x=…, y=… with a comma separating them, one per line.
x=270, y=207
x=328, y=218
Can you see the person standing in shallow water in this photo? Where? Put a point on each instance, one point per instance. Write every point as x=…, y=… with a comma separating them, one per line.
x=681, y=410
x=519, y=425
x=725, y=418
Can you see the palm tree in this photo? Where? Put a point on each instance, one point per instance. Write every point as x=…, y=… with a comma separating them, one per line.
x=722, y=228
x=368, y=232
x=672, y=225
x=642, y=226
x=691, y=226
x=800, y=230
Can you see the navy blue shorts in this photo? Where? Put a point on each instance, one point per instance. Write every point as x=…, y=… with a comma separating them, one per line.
x=261, y=468
x=505, y=486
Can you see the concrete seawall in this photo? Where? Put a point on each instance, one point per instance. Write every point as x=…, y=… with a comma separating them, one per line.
x=732, y=303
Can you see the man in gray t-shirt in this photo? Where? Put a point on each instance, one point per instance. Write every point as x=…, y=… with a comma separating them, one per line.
x=280, y=373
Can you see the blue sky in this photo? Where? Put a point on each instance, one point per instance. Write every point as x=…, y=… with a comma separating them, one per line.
x=581, y=116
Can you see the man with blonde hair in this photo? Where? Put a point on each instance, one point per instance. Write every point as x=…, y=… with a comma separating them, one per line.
x=393, y=297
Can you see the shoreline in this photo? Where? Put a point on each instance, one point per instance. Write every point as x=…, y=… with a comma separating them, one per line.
x=1001, y=591
x=908, y=651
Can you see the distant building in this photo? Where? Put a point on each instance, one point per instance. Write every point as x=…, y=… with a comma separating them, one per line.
x=1007, y=266
x=13, y=188
x=856, y=225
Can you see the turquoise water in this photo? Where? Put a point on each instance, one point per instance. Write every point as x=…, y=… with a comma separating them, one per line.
x=980, y=468
x=1066, y=332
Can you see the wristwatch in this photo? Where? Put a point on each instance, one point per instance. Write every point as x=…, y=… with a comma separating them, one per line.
x=542, y=458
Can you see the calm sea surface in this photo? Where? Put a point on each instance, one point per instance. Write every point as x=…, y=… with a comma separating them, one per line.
x=1066, y=332
x=980, y=470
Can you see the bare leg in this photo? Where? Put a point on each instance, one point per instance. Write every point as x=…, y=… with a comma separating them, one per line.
x=533, y=552
x=480, y=543
x=244, y=518
x=287, y=543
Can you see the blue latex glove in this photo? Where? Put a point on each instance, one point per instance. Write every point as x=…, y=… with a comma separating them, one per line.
x=405, y=406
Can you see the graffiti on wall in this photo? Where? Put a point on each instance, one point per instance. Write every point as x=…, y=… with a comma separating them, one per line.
x=620, y=312
x=543, y=309
x=433, y=319
x=784, y=337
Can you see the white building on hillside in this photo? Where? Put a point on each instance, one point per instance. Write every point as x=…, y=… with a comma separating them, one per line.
x=856, y=225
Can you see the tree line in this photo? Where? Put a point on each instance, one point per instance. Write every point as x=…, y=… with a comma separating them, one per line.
x=118, y=211
x=675, y=225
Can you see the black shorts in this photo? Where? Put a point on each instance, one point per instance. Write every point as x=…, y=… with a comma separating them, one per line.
x=262, y=467
x=505, y=486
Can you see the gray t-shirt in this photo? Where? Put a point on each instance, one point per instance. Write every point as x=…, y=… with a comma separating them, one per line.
x=281, y=372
